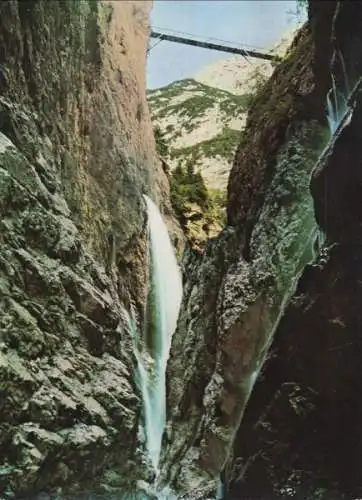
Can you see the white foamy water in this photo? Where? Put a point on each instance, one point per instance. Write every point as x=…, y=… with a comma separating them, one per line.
x=166, y=283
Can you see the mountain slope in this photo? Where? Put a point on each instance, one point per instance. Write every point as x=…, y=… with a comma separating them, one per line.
x=200, y=120
x=237, y=74
x=202, y=116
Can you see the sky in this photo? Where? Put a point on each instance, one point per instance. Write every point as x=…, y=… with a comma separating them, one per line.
x=259, y=23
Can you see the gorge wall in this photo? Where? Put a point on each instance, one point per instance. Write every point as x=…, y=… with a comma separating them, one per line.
x=76, y=154
x=300, y=435
x=286, y=267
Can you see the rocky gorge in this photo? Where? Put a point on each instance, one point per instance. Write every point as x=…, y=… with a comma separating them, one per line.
x=262, y=383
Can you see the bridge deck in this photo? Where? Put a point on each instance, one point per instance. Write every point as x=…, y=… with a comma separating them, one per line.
x=214, y=46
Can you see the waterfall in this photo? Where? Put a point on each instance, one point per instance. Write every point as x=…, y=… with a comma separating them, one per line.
x=336, y=107
x=164, y=300
x=337, y=99
x=220, y=490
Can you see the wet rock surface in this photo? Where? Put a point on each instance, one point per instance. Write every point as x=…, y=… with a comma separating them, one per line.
x=66, y=359
x=76, y=154
x=245, y=289
x=235, y=294
x=301, y=430
x=298, y=431
x=300, y=435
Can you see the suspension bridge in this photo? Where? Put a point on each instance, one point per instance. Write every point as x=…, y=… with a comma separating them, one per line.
x=223, y=46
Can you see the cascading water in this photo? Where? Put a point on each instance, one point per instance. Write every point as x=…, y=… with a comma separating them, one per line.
x=336, y=108
x=152, y=353
x=337, y=99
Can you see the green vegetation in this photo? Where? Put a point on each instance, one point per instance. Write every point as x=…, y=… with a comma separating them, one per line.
x=259, y=82
x=169, y=129
x=187, y=186
x=216, y=206
x=196, y=106
x=223, y=145
x=161, y=144
x=230, y=104
x=191, y=108
x=170, y=91
x=239, y=104
x=198, y=209
x=187, y=189
x=174, y=89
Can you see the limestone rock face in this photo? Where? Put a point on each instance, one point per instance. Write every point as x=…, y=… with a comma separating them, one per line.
x=76, y=154
x=236, y=294
x=249, y=317
x=301, y=430
x=236, y=74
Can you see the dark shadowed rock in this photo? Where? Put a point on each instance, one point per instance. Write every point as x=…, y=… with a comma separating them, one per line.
x=300, y=435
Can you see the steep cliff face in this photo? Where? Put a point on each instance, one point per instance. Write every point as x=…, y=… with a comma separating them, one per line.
x=236, y=295
x=76, y=154
x=301, y=431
